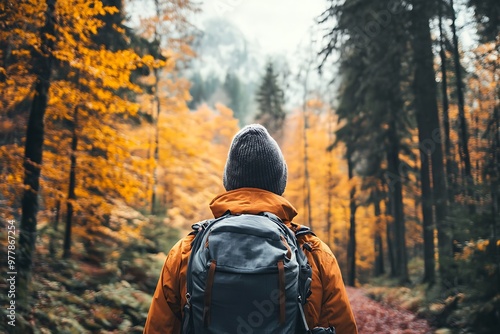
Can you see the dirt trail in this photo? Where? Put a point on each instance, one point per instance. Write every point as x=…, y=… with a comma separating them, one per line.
x=374, y=317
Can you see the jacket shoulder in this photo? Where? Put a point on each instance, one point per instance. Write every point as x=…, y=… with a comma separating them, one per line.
x=178, y=254
x=314, y=244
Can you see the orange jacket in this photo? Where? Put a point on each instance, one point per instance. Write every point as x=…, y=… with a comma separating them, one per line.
x=327, y=306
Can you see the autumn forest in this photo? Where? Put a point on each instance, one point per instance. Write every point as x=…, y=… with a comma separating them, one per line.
x=113, y=143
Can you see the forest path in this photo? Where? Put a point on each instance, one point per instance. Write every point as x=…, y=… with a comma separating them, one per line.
x=374, y=317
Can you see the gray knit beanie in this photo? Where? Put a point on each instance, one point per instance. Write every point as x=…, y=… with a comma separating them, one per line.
x=255, y=160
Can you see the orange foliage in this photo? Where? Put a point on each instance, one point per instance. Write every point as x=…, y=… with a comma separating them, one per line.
x=90, y=79
x=327, y=177
x=193, y=148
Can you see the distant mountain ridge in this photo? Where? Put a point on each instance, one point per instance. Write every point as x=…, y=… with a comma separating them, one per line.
x=227, y=69
x=222, y=48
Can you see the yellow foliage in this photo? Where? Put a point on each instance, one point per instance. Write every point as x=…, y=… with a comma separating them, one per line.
x=193, y=148
x=113, y=159
x=471, y=247
x=482, y=244
x=328, y=181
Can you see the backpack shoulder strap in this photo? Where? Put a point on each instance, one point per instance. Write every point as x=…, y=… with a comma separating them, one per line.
x=272, y=216
x=303, y=230
x=197, y=231
x=203, y=225
x=298, y=230
x=200, y=226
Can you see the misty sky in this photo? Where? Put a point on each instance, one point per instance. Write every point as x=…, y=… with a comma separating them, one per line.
x=278, y=26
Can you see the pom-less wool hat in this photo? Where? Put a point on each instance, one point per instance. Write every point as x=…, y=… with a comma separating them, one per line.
x=255, y=160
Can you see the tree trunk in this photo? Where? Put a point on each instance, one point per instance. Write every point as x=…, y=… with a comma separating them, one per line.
x=425, y=92
x=451, y=176
x=495, y=179
x=57, y=214
x=52, y=249
x=390, y=239
x=395, y=167
x=463, y=133
x=307, y=185
x=33, y=156
x=351, y=245
x=378, y=245
x=446, y=118
x=71, y=190
x=156, y=153
x=427, y=213
x=396, y=195
x=495, y=183
x=330, y=181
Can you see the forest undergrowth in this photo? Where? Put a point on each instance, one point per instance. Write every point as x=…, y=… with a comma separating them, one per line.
x=458, y=309
x=105, y=287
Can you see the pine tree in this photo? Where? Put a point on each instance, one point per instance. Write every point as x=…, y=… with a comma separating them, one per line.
x=445, y=102
x=487, y=13
x=270, y=100
x=432, y=164
x=351, y=244
x=232, y=86
x=463, y=144
x=371, y=103
x=197, y=91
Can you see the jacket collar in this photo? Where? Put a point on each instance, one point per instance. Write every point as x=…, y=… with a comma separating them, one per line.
x=252, y=201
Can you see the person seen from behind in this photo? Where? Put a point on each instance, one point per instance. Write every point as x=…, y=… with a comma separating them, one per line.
x=255, y=177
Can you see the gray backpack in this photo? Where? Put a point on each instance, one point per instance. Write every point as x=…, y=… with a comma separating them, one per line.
x=246, y=274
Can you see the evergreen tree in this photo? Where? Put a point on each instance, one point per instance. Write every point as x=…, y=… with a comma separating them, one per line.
x=270, y=100
x=371, y=103
x=432, y=163
x=463, y=144
x=487, y=14
x=232, y=87
x=445, y=102
x=197, y=91
x=210, y=85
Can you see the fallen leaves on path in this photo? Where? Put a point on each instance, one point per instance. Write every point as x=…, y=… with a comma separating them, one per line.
x=374, y=317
